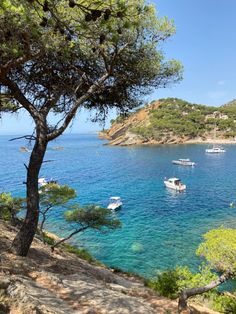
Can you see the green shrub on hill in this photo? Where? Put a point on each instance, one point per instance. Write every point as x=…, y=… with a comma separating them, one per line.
x=171, y=282
x=10, y=206
x=179, y=117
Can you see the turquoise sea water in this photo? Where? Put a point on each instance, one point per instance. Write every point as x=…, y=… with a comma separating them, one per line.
x=161, y=228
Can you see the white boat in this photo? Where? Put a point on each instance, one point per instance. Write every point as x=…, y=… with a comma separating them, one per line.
x=175, y=184
x=184, y=162
x=115, y=203
x=215, y=150
x=44, y=181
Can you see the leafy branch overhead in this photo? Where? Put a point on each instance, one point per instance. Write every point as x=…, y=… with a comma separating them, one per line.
x=119, y=41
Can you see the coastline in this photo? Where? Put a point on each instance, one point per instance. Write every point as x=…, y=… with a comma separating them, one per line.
x=211, y=141
x=127, y=142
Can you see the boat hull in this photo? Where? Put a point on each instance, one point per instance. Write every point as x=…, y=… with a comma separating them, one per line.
x=212, y=151
x=183, y=163
x=178, y=188
x=114, y=206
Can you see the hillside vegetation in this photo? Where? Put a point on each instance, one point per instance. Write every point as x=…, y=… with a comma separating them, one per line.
x=174, y=120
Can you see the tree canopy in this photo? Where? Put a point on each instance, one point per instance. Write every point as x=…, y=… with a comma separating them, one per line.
x=219, y=250
x=59, y=56
x=54, y=52
x=89, y=217
x=92, y=216
x=51, y=196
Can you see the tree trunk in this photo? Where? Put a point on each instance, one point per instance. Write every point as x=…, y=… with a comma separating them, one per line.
x=187, y=293
x=25, y=236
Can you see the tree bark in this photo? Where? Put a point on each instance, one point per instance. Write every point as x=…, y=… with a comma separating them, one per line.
x=187, y=293
x=69, y=236
x=24, y=238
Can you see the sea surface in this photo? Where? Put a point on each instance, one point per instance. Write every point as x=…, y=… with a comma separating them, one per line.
x=160, y=228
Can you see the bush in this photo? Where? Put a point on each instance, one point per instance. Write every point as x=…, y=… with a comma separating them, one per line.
x=170, y=283
x=224, y=304
x=47, y=239
x=166, y=283
x=10, y=206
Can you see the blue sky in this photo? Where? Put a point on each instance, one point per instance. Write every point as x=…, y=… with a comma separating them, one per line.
x=205, y=42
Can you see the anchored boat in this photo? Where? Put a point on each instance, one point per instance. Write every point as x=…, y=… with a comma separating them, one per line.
x=184, y=162
x=115, y=203
x=175, y=184
x=44, y=181
x=215, y=150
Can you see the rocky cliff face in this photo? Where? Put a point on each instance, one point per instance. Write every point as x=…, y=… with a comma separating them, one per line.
x=121, y=133
x=174, y=121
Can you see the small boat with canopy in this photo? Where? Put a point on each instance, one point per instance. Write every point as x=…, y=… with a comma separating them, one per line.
x=115, y=203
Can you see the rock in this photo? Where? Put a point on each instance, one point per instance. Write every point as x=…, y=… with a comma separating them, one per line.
x=61, y=283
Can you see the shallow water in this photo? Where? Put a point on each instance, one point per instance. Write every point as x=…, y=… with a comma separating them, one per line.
x=160, y=228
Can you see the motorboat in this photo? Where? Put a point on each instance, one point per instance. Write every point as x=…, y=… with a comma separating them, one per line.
x=175, y=184
x=184, y=162
x=215, y=150
x=44, y=181
x=115, y=203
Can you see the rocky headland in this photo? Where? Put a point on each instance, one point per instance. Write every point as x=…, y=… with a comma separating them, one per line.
x=174, y=121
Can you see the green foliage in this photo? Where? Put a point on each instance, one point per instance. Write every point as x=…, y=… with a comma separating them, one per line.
x=47, y=239
x=178, y=117
x=10, y=206
x=92, y=216
x=55, y=194
x=166, y=283
x=52, y=196
x=171, y=282
x=219, y=250
x=230, y=134
x=63, y=41
x=146, y=132
x=81, y=253
x=224, y=303
x=229, y=109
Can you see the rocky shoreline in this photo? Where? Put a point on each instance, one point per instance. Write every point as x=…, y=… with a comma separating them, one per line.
x=130, y=139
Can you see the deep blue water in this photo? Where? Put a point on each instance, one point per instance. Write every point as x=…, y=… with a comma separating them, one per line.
x=160, y=228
